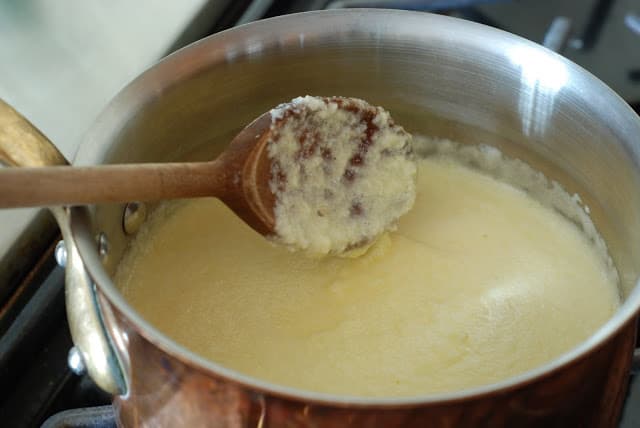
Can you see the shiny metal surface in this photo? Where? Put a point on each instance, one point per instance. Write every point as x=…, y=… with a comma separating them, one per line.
x=93, y=344
x=632, y=21
x=438, y=76
x=423, y=5
x=557, y=36
x=21, y=144
x=103, y=245
x=600, y=42
x=76, y=362
x=60, y=253
x=134, y=215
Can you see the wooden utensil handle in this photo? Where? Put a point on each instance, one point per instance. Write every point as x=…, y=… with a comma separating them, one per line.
x=63, y=185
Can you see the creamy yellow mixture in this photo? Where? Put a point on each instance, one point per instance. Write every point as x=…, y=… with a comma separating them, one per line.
x=478, y=283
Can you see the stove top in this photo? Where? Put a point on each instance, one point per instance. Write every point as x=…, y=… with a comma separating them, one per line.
x=37, y=385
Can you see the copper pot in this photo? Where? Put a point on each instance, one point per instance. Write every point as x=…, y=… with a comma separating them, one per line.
x=438, y=76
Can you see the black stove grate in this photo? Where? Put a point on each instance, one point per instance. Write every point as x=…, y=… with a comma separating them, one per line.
x=90, y=417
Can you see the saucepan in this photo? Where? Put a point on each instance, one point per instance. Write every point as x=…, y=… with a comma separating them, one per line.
x=438, y=76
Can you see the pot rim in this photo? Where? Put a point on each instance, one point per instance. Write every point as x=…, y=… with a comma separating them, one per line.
x=139, y=91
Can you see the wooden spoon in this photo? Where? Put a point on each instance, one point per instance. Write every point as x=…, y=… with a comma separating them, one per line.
x=239, y=177
x=341, y=168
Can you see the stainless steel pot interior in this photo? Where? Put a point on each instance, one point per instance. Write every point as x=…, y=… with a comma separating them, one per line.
x=437, y=75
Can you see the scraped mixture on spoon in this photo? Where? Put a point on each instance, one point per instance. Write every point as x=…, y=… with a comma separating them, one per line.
x=342, y=173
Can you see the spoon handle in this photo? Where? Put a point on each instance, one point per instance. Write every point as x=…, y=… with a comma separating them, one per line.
x=65, y=185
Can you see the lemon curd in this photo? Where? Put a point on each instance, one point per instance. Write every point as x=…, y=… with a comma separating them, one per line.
x=479, y=282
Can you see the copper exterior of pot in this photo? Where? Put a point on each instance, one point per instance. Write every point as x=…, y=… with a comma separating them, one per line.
x=438, y=76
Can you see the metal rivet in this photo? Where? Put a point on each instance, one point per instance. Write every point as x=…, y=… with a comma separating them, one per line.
x=75, y=361
x=103, y=245
x=134, y=215
x=60, y=254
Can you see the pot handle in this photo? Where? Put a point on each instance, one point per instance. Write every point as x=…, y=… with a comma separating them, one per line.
x=23, y=145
